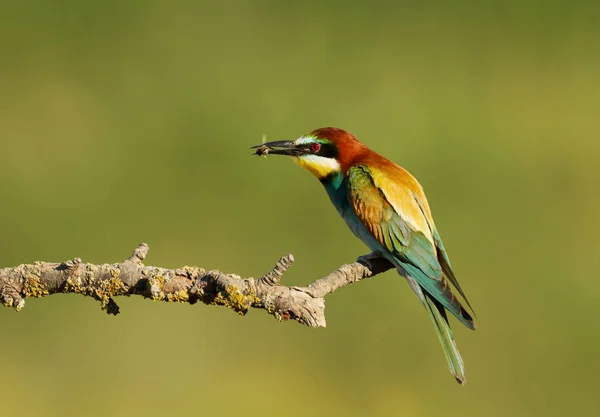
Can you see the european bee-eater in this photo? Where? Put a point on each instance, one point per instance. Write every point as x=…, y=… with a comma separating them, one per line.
x=386, y=208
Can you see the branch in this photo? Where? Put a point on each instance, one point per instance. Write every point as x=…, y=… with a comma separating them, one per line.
x=185, y=285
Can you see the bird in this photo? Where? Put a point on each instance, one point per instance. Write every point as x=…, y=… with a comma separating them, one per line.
x=386, y=208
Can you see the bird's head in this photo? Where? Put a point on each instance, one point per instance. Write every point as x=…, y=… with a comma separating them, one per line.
x=324, y=152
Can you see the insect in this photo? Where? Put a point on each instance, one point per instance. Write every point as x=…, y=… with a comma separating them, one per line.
x=262, y=150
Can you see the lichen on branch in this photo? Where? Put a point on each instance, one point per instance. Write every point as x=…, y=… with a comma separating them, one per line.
x=184, y=285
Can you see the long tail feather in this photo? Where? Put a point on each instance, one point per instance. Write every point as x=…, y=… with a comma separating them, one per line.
x=444, y=334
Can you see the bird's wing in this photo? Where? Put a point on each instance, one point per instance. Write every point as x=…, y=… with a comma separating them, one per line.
x=392, y=206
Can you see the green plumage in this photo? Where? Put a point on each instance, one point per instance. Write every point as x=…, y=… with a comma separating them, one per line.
x=444, y=334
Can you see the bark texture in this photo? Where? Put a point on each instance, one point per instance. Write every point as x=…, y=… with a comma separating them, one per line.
x=185, y=285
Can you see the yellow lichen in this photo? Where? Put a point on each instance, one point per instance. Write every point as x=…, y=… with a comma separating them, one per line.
x=73, y=285
x=232, y=298
x=110, y=288
x=34, y=288
x=19, y=306
x=180, y=296
x=102, y=290
x=157, y=286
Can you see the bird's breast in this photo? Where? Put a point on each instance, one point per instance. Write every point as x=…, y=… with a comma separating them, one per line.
x=337, y=192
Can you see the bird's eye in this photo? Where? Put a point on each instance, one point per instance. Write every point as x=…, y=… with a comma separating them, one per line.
x=314, y=147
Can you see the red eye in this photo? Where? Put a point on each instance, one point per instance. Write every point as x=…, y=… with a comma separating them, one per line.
x=314, y=147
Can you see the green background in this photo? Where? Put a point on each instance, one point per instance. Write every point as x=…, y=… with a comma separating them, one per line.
x=130, y=121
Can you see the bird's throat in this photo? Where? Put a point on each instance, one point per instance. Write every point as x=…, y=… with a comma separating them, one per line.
x=319, y=166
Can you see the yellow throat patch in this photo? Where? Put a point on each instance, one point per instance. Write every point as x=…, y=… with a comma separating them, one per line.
x=319, y=166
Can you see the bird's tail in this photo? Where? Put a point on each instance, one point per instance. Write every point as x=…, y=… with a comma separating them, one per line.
x=444, y=334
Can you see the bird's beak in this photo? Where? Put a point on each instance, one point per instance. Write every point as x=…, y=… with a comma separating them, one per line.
x=280, y=147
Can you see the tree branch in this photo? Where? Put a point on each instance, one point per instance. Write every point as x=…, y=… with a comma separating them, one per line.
x=186, y=285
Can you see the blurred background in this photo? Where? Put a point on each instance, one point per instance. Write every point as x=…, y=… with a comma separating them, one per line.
x=123, y=122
